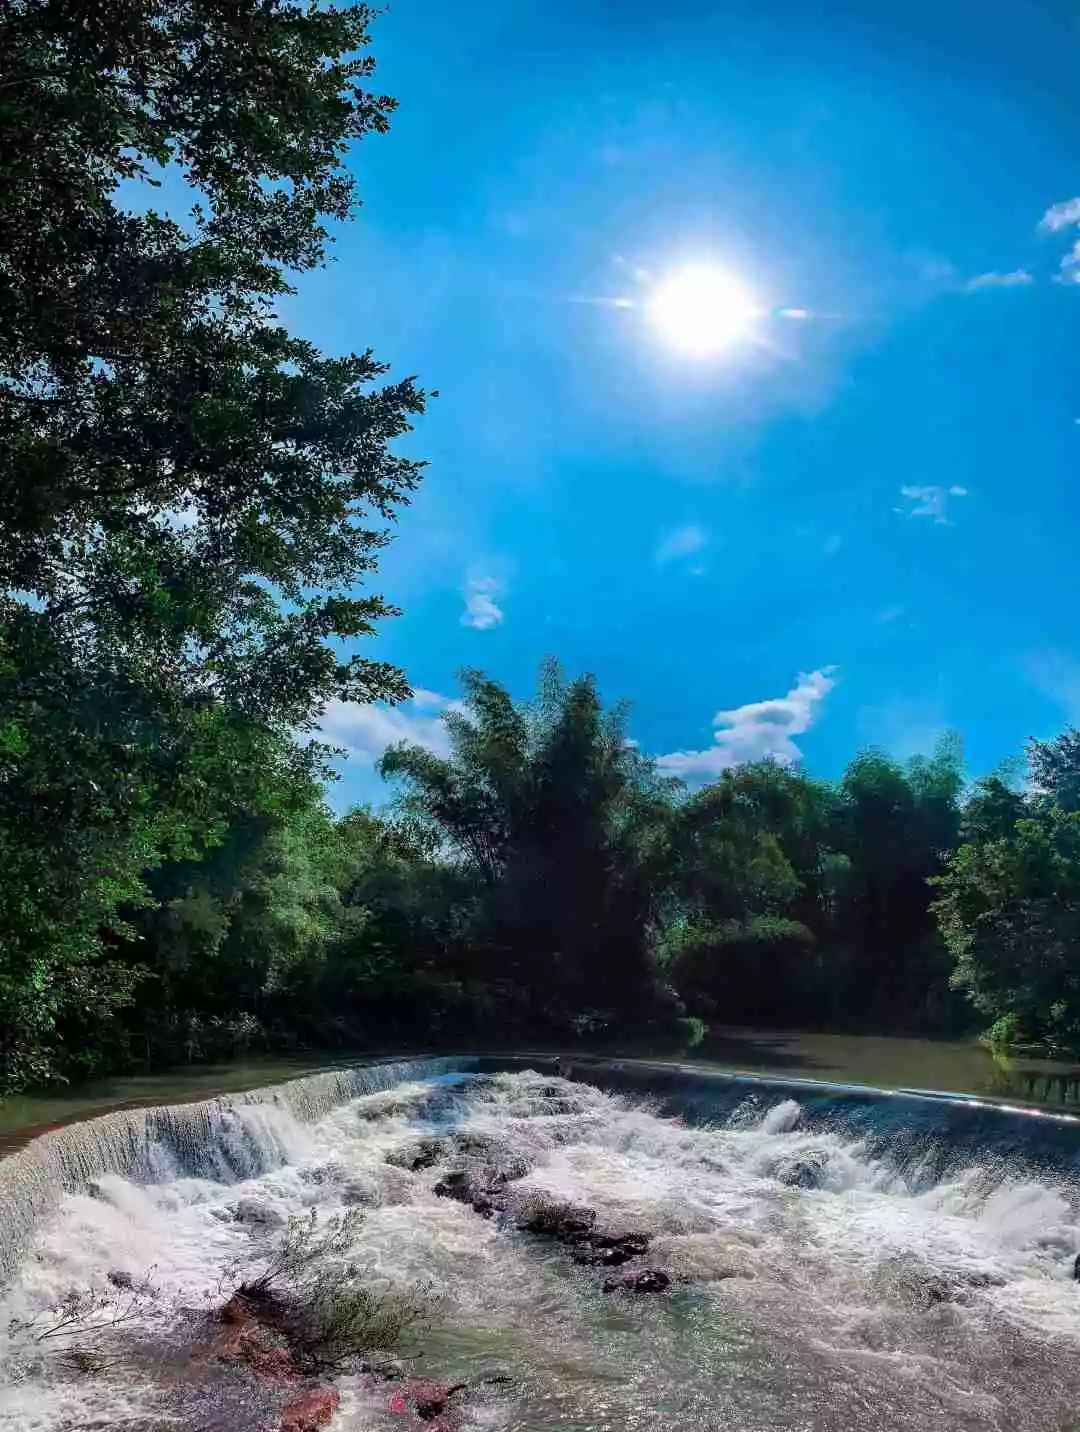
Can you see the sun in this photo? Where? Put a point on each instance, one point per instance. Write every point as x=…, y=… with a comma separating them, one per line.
x=701, y=310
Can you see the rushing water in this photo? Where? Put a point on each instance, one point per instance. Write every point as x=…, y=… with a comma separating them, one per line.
x=839, y=1261
x=886, y=1061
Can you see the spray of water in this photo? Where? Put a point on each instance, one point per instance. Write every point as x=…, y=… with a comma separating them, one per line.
x=816, y=1281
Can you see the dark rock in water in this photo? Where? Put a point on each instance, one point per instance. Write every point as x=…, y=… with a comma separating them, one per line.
x=120, y=1279
x=632, y=1243
x=427, y=1399
x=563, y=1221
x=255, y=1211
x=1076, y=1268
x=802, y=1172
x=425, y=1153
x=651, y=1280
x=611, y=1250
x=322, y=1174
x=359, y=1190
x=500, y=1163
x=466, y=1186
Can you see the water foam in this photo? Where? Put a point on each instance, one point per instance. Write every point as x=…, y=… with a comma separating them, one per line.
x=819, y=1284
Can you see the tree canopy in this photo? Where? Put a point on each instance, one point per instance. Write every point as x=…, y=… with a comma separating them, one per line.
x=190, y=496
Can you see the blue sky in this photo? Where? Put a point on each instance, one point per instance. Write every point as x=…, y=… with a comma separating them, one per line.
x=864, y=518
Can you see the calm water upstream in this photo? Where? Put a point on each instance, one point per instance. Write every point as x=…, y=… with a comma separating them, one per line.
x=839, y=1262
x=889, y=1063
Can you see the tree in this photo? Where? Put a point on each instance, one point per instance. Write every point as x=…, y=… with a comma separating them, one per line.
x=750, y=894
x=189, y=495
x=553, y=814
x=1054, y=767
x=896, y=826
x=1009, y=902
x=179, y=477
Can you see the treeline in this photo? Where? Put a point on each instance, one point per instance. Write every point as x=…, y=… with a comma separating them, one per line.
x=544, y=883
x=191, y=501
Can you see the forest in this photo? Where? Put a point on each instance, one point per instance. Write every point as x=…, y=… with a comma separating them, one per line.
x=192, y=505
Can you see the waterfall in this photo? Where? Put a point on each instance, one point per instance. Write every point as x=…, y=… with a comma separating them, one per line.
x=832, y=1257
x=225, y=1138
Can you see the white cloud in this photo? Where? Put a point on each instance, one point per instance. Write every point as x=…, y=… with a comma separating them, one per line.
x=1061, y=216
x=756, y=732
x=1070, y=265
x=1018, y=278
x=482, y=611
x=365, y=731
x=932, y=502
x=680, y=542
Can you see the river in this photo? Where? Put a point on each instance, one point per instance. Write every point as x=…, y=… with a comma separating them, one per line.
x=959, y=1067
x=838, y=1260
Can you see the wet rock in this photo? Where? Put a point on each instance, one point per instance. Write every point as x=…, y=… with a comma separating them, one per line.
x=611, y=1250
x=255, y=1211
x=359, y=1191
x=465, y=1186
x=322, y=1174
x=424, y=1153
x=240, y=1334
x=500, y=1163
x=1076, y=1267
x=650, y=1280
x=806, y=1172
x=271, y=1364
x=313, y=1409
x=427, y=1400
x=564, y=1221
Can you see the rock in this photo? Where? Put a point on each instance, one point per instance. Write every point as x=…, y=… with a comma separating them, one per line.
x=563, y=1221
x=255, y=1211
x=242, y=1336
x=611, y=1250
x=270, y=1364
x=464, y=1186
x=805, y=1172
x=119, y=1278
x=649, y=1281
x=425, y=1153
x=311, y=1410
x=426, y=1399
x=1076, y=1268
x=236, y=1310
x=322, y=1174
x=361, y=1191
x=498, y=1162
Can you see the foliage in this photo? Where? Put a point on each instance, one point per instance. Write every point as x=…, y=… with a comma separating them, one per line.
x=318, y=1299
x=557, y=822
x=190, y=497
x=1009, y=901
x=79, y=1328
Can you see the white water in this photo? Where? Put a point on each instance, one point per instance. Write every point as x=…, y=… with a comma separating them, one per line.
x=856, y=1303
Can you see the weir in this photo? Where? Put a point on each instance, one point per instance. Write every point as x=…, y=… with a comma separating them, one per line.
x=222, y=1138
x=226, y=1138
x=840, y=1258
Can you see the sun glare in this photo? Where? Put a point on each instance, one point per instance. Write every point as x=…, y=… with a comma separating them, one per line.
x=701, y=310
